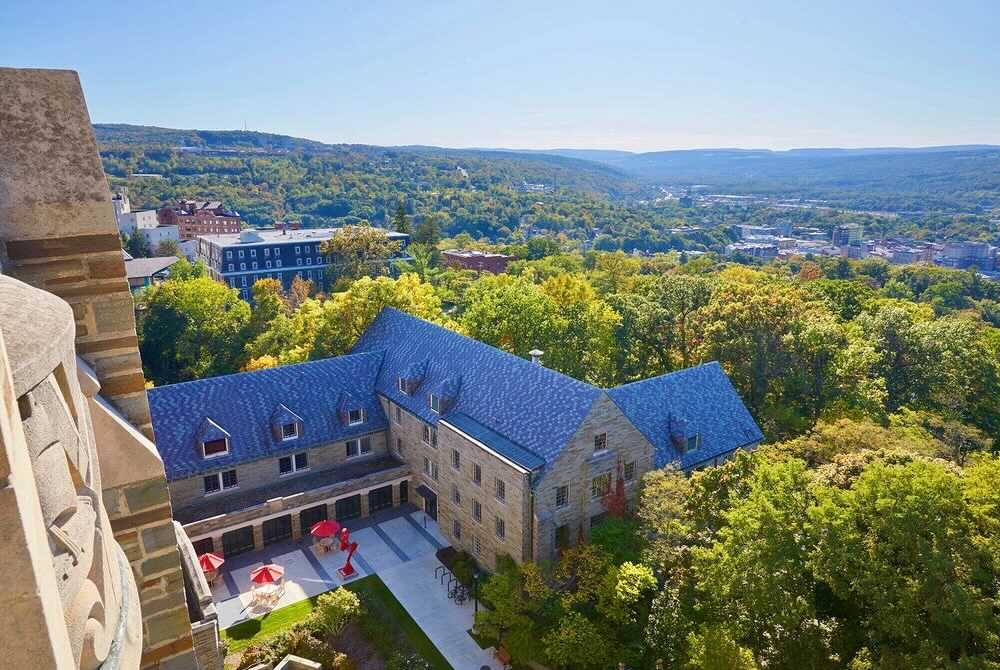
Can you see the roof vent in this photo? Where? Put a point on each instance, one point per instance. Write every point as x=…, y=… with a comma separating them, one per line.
x=536, y=356
x=247, y=236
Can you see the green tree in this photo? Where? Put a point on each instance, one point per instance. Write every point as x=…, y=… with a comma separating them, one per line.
x=137, y=245
x=577, y=643
x=510, y=313
x=168, y=248
x=428, y=231
x=191, y=329
x=714, y=649
x=400, y=222
x=358, y=251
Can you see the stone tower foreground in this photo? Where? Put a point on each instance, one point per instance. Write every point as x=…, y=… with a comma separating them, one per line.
x=101, y=577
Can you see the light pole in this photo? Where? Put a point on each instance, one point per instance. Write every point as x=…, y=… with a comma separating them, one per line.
x=475, y=592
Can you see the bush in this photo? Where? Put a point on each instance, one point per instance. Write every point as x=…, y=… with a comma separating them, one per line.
x=407, y=662
x=463, y=567
x=297, y=641
x=334, y=610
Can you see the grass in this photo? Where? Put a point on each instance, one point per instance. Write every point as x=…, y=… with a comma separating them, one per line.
x=385, y=622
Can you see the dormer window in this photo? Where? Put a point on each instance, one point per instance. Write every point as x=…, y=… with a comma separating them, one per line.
x=289, y=431
x=216, y=447
x=693, y=443
x=401, y=383
x=600, y=442
x=355, y=416
x=434, y=402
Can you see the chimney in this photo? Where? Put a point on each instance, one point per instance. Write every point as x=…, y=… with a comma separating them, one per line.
x=536, y=356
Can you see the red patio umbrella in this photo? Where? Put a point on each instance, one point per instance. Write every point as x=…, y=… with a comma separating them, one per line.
x=325, y=528
x=210, y=561
x=267, y=574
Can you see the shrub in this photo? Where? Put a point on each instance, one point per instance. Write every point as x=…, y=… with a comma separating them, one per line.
x=300, y=642
x=407, y=662
x=334, y=610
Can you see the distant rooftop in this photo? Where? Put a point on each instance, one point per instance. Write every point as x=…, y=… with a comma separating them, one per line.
x=473, y=253
x=272, y=235
x=136, y=268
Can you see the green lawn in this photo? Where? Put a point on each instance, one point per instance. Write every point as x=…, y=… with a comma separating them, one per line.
x=387, y=625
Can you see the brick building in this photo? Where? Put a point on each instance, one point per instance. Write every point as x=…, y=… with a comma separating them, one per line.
x=509, y=456
x=472, y=259
x=199, y=217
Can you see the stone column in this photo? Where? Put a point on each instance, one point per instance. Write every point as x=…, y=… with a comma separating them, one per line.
x=258, y=536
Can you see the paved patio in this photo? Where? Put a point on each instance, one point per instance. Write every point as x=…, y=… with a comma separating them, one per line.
x=398, y=544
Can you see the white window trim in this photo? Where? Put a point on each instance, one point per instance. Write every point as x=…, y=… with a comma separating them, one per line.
x=401, y=386
x=351, y=422
x=218, y=455
x=222, y=486
x=566, y=501
x=294, y=435
x=360, y=453
x=433, y=400
x=295, y=469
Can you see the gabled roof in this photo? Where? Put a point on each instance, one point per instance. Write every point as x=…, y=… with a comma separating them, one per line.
x=534, y=408
x=703, y=399
x=243, y=405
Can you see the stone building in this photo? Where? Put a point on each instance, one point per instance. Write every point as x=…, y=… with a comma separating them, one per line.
x=473, y=259
x=197, y=217
x=509, y=456
x=78, y=381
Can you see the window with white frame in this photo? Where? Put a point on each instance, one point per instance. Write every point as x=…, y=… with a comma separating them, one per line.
x=434, y=402
x=277, y=263
x=693, y=443
x=401, y=385
x=253, y=265
x=220, y=481
x=629, y=471
x=600, y=442
x=253, y=253
x=229, y=254
x=298, y=250
x=267, y=264
x=243, y=267
x=355, y=416
x=501, y=490
x=430, y=436
x=309, y=261
x=241, y=253
x=267, y=252
x=277, y=251
x=217, y=447
x=358, y=447
x=294, y=463
x=562, y=496
x=298, y=261
x=289, y=431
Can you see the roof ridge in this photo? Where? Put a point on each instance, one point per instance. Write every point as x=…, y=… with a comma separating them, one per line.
x=478, y=343
x=243, y=373
x=706, y=364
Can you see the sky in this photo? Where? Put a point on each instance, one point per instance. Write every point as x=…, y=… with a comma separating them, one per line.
x=637, y=76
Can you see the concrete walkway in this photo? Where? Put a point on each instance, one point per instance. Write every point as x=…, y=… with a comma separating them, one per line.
x=445, y=623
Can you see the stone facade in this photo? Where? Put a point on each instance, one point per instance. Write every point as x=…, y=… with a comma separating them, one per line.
x=58, y=233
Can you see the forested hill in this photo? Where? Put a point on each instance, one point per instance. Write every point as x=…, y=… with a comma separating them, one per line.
x=949, y=178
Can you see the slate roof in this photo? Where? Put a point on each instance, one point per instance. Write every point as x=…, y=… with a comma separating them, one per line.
x=244, y=405
x=140, y=268
x=536, y=409
x=699, y=400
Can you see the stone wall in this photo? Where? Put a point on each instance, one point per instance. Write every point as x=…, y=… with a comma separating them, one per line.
x=264, y=472
x=577, y=466
x=58, y=233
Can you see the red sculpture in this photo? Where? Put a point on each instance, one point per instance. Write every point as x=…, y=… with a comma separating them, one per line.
x=345, y=538
x=348, y=570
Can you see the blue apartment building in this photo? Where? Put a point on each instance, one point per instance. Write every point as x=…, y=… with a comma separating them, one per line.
x=240, y=259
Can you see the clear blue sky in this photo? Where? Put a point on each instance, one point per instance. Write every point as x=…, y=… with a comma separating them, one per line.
x=638, y=76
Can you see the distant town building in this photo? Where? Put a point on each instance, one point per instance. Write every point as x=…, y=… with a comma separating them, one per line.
x=966, y=254
x=473, y=259
x=128, y=220
x=764, y=251
x=143, y=272
x=847, y=234
x=200, y=217
x=748, y=232
x=240, y=259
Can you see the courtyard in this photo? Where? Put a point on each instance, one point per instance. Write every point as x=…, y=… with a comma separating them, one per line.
x=399, y=545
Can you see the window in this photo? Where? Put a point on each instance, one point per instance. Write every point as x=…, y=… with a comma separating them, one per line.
x=220, y=481
x=309, y=261
x=456, y=529
x=434, y=471
x=477, y=511
x=253, y=253
x=298, y=250
x=232, y=267
x=358, y=447
x=397, y=414
x=630, y=471
x=289, y=431
x=600, y=442
x=477, y=474
x=267, y=264
x=477, y=548
x=434, y=402
x=693, y=443
x=430, y=436
x=289, y=464
x=456, y=495
x=456, y=459
x=401, y=385
x=241, y=253
x=298, y=261
x=253, y=266
x=600, y=485
x=243, y=280
x=217, y=447
x=229, y=254
x=501, y=490
x=277, y=251
x=267, y=252
x=427, y=466
x=243, y=267
x=501, y=528
x=562, y=496
x=355, y=416
x=277, y=264
x=399, y=446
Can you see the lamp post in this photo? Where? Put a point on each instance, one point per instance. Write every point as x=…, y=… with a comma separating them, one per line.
x=475, y=592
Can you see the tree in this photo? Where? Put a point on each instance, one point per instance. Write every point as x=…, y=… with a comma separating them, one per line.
x=137, y=245
x=510, y=313
x=584, y=327
x=577, y=643
x=428, y=231
x=681, y=296
x=168, y=248
x=357, y=251
x=400, y=222
x=714, y=649
x=191, y=329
